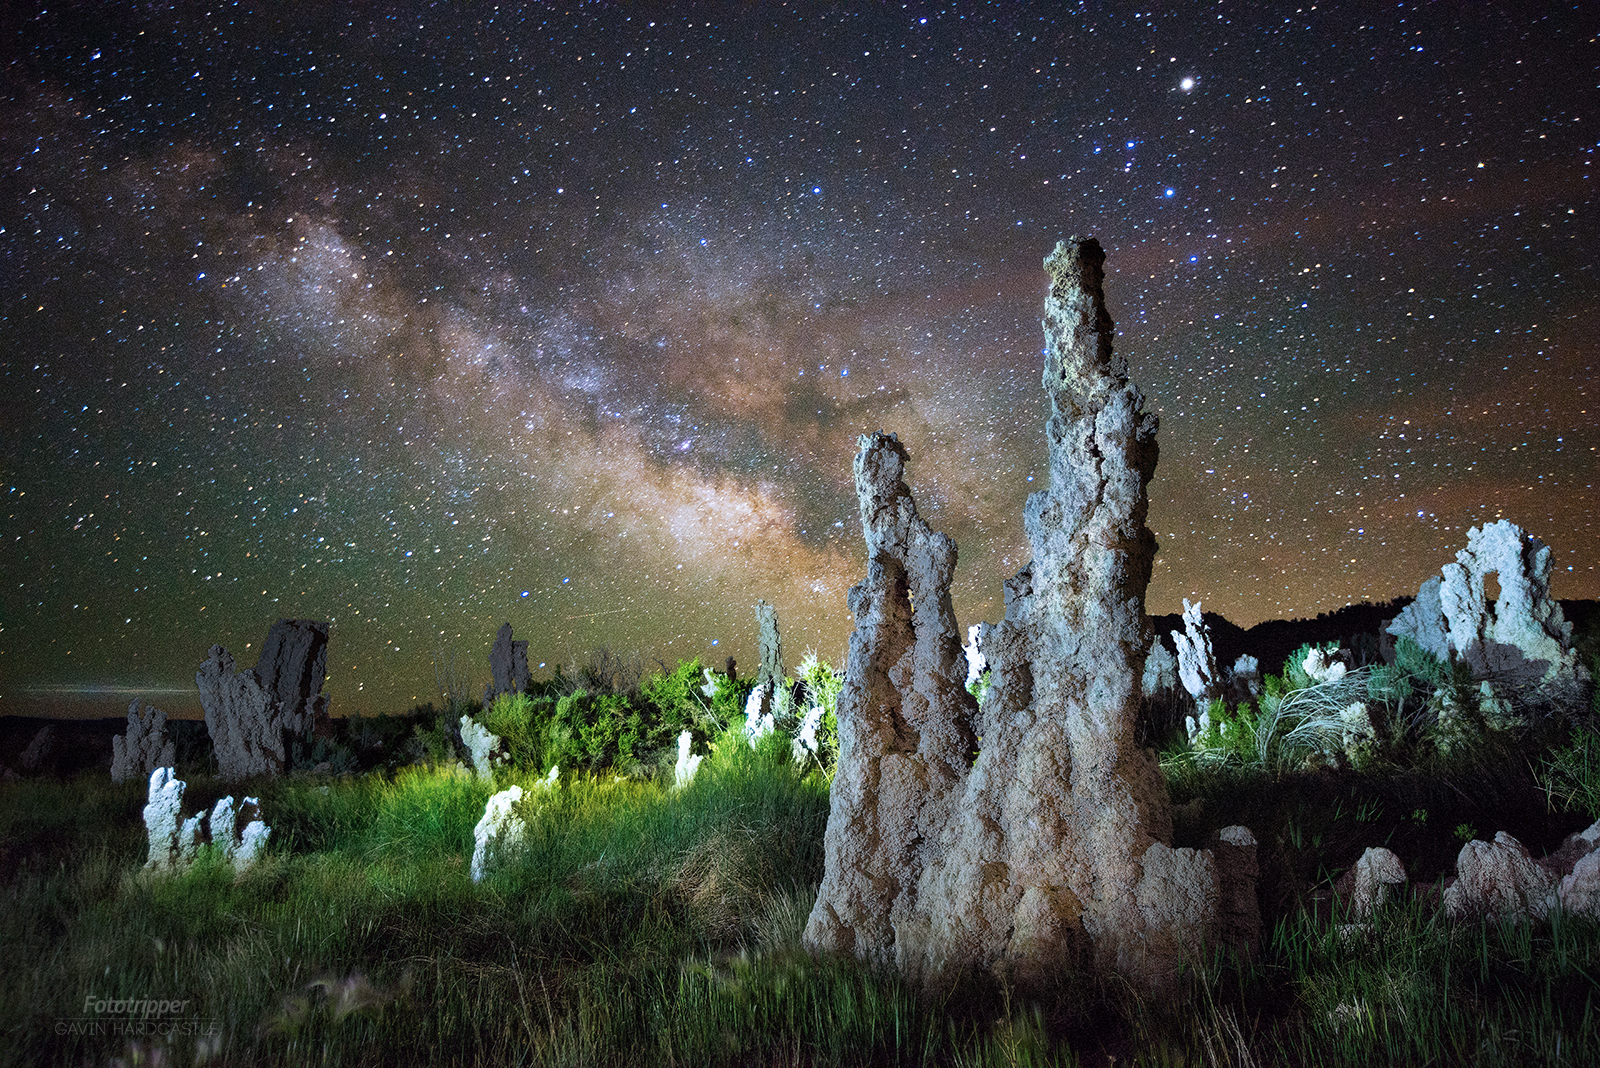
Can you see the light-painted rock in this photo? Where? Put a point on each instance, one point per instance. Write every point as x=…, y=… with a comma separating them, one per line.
x=1160, y=670
x=1376, y=873
x=1499, y=879
x=1197, y=662
x=238, y=831
x=1522, y=641
x=1580, y=891
x=235, y=829
x=498, y=833
x=483, y=746
x=1048, y=848
x=1321, y=666
x=806, y=746
x=977, y=663
x=758, y=718
x=162, y=814
x=1244, y=678
x=688, y=763
x=144, y=747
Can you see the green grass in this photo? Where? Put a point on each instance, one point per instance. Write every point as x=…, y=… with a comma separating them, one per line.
x=644, y=925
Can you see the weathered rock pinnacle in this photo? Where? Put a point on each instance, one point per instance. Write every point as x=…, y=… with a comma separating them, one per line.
x=1028, y=836
x=255, y=715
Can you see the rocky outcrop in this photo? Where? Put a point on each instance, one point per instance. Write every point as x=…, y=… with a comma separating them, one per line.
x=256, y=715
x=237, y=830
x=485, y=748
x=1197, y=662
x=1521, y=641
x=1376, y=875
x=162, y=813
x=1500, y=879
x=1046, y=846
x=508, y=666
x=775, y=699
x=498, y=833
x=144, y=748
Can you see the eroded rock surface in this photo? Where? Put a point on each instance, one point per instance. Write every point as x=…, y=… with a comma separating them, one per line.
x=483, y=746
x=498, y=833
x=1045, y=848
x=1197, y=662
x=237, y=830
x=144, y=747
x=1377, y=873
x=1521, y=640
x=255, y=715
x=1500, y=879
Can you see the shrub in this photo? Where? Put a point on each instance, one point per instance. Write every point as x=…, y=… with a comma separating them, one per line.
x=677, y=698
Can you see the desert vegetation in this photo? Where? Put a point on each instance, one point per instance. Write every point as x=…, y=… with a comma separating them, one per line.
x=639, y=922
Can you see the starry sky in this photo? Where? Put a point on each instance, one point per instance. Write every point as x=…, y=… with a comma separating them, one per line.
x=419, y=318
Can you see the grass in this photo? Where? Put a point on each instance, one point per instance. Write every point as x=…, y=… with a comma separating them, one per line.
x=640, y=924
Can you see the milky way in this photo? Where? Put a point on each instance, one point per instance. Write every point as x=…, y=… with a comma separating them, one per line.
x=421, y=319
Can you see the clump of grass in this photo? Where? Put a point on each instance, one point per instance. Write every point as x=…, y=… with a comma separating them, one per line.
x=1570, y=773
x=644, y=924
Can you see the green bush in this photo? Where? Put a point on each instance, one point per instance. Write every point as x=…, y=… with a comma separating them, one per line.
x=678, y=700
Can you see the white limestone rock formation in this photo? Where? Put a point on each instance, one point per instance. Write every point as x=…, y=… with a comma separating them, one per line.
x=1160, y=670
x=162, y=811
x=499, y=832
x=239, y=832
x=236, y=830
x=254, y=716
x=1197, y=668
x=1197, y=662
x=484, y=747
x=508, y=666
x=806, y=746
x=1522, y=640
x=977, y=663
x=144, y=747
x=1376, y=873
x=1046, y=847
x=1580, y=890
x=688, y=763
x=1244, y=678
x=1500, y=879
x=1321, y=666
x=759, y=720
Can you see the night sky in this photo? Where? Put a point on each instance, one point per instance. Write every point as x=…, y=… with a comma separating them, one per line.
x=421, y=318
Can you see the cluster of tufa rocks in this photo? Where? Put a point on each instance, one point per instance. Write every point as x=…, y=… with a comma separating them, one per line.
x=1521, y=642
x=256, y=715
x=1195, y=665
x=236, y=830
x=1029, y=834
x=1499, y=880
